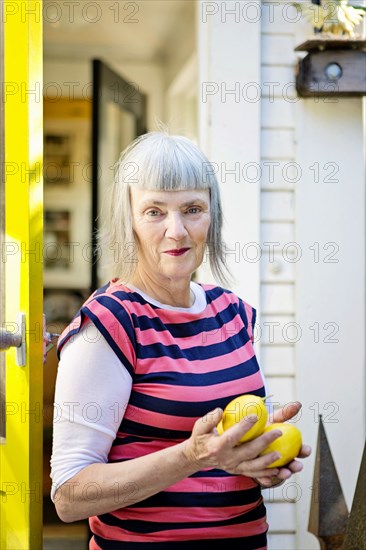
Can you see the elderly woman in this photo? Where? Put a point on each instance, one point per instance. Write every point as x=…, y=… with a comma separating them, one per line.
x=148, y=364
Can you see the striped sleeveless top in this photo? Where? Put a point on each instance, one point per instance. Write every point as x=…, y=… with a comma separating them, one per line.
x=183, y=365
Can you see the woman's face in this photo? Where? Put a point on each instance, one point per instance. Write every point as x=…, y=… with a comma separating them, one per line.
x=171, y=229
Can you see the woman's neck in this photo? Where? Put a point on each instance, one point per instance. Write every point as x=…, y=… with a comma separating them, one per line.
x=173, y=293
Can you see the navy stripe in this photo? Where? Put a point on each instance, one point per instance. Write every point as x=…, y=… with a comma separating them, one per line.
x=254, y=318
x=153, y=351
x=215, y=292
x=179, y=408
x=121, y=315
x=129, y=426
x=200, y=379
x=144, y=526
x=130, y=296
x=214, y=472
x=101, y=290
x=243, y=313
x=121, y=356
x=175, y=408
x=246, y=543
x=207, y=499
x=61, y=343
x=189, y=328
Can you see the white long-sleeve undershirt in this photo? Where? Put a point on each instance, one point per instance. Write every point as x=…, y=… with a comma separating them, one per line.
x=92, y=392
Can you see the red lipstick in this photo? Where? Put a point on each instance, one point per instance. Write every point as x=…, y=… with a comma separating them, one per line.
x=176, y=251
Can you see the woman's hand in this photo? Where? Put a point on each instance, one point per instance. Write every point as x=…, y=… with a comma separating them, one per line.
x=282, y=415
x=207, y=449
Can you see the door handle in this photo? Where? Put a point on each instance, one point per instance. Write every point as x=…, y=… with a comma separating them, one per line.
x=15, y=339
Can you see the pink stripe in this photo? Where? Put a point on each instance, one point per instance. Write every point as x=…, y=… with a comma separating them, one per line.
x=93, y=545
x=212, y=484
x=201, y=393
x=164, y=364
x=133, y=450
x=159, y=420
x=75, y=324
x=115, y=329
x=216, y=306
x=247, y=529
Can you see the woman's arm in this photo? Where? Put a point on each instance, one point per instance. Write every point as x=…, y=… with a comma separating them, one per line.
x=103, y=488
x=92, y=391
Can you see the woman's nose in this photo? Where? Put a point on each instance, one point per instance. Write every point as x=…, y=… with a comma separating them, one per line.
x=175, y=228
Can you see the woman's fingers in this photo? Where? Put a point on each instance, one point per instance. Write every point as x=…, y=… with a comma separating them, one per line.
x=284, y=473
x=207, y=423
x=305, y=451
x=286, y=413
x=232, y=435
x=270, y=481
x=253, y=448
x=246, y=455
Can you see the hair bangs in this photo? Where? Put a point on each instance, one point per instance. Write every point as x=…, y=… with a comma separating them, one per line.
x=164, y=164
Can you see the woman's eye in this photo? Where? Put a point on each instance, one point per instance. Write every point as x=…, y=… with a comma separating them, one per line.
x=194, y=210
x=153, y=213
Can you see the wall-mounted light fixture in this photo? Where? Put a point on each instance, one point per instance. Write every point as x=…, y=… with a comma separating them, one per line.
x=332, y=67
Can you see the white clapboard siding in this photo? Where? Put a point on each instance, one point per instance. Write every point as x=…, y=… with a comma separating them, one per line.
x=277, y=205
x=283, y=541
x=279, y=18
x=278, y=82
x=277, y=299
x=278, y=360
x=277, y=143
x=290, y=492
x=278, y=49
x=276, y=330
x=282, y=233
x=277, y=113
x=277, y=175
x=282, y=390
x=281, y=515
x=275, y=268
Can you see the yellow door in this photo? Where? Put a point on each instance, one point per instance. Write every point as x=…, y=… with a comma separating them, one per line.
x=21, y=276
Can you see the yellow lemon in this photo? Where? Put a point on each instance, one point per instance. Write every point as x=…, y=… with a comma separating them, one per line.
x=220, y=428
x=242, y=406
x=288, y=444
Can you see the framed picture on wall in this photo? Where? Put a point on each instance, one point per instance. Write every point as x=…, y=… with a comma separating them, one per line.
x=57, y=165
x=67, y=194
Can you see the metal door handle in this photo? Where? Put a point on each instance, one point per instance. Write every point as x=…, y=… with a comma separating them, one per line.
x=9, y=339
x=15, y=339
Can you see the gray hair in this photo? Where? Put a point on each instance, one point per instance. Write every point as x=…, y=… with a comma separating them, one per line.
x=161, y=162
